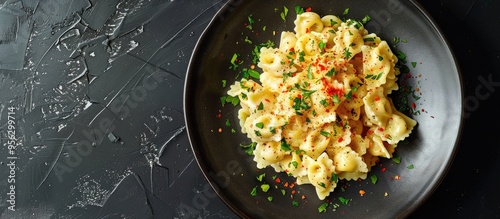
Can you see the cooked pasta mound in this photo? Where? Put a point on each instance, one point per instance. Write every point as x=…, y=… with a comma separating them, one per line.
x=320, y=111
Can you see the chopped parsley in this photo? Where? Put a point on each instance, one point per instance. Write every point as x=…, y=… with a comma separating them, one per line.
x=299, y=10
x=334, y=178
x=347, y=53
x=265, y=187
x=344, y=200
x=249, y=148
x=285, y=146
x=322, y=207
x=346, y=11
x=261, y=177
x=331, y=73
x=229, y=99
x=284, y=13
x=235, y=61
x=261, y=106
x=366, y=19
x=254, y=191
x=397, y=159
x=374, y=179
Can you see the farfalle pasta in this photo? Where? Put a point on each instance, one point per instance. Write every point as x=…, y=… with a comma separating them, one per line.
x=320, y=111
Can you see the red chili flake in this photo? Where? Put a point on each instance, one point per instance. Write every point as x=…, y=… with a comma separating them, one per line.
x=377, y=98
x=381, y=129
x=278, y=180
x=219, y=115
x=397, y=177
x=293, y=192
x=303, y=197
x=267, y=100
x=383, y=169
x=330, y=90
x=286, y=184
x=361, y=192
x=413, y=105
x=408, y=75
x=309, y=9
x=341, y=139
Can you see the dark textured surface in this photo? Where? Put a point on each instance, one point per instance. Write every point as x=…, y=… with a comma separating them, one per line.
x=96, y=91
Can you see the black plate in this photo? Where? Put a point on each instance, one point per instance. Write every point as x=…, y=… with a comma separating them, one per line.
x=400, y=189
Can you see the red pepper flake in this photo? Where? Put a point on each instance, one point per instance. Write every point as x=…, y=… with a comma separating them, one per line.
x=397, y=177
x=413, y=105
x=330, y=90
x=341, y=139
x=408, y=75
x=309, y=9
x=286, y=184
x=303, y=197
x=381, y=129
x=219, y=115
x=361, y=192
x=383, y=169
x=278, y=180
x=293, y=192
x=377, y=98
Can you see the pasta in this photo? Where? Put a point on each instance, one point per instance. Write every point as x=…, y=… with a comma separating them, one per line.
x=320, y=111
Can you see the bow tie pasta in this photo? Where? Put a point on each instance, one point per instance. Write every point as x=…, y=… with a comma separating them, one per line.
x=320, y=111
